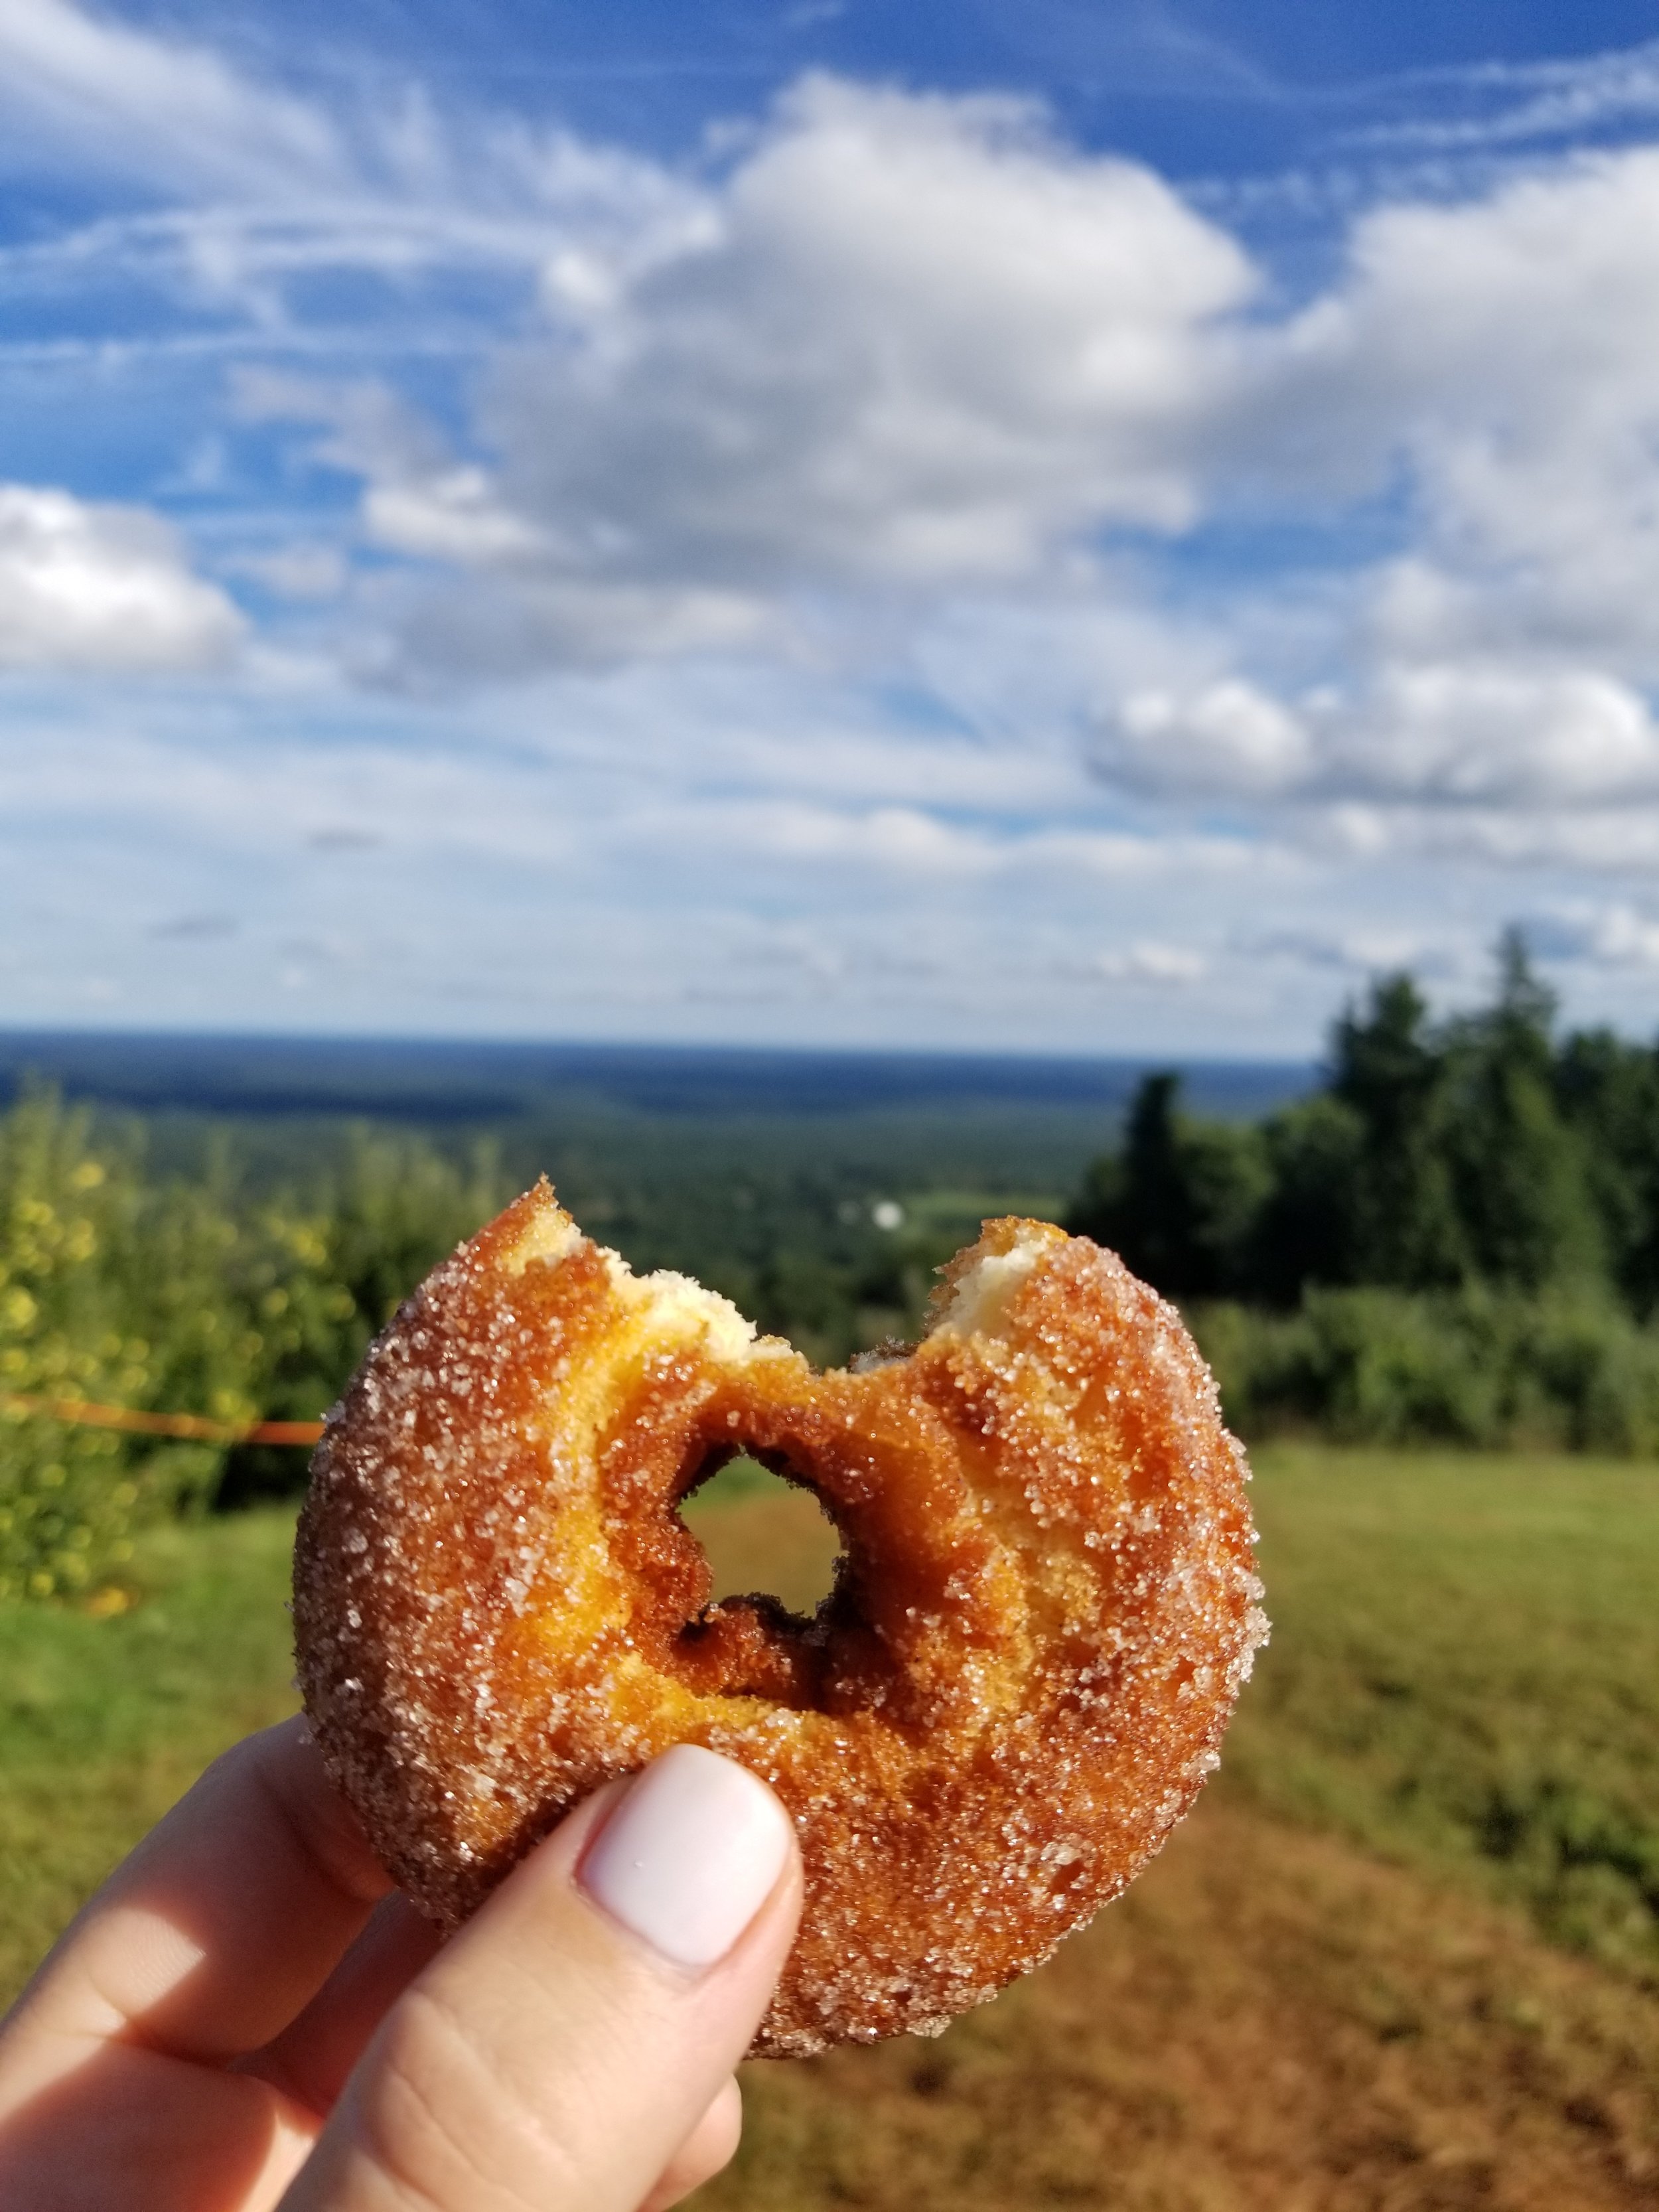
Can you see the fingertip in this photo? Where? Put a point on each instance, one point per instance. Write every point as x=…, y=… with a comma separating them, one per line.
x=689, y=1855
x=708, y=2150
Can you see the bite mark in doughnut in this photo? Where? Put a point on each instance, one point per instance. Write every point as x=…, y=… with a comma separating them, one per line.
x=1042, y=1616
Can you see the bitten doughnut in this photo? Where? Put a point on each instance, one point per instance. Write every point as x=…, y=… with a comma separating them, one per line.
x=1043, y=1611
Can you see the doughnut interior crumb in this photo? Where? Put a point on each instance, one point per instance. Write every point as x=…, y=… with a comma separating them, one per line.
x=1044, y=1607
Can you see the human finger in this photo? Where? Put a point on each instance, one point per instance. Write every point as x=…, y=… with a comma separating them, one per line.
x=223, y=1922
x=310, y=2060
x=559, y=2051
x=705, y=2152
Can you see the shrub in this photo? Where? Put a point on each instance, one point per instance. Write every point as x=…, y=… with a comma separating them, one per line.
x=1478, y=1367
x=111, y=1292
x=319, y=1274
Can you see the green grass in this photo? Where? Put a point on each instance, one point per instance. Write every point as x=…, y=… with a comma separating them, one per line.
x=105, y=1722
x=1464, y=1672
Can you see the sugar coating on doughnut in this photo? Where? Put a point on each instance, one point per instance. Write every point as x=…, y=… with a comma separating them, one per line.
x=1043, y=1610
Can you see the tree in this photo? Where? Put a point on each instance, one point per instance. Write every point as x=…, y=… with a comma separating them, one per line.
x=1179, y=1203
x=1389, y=1069
x=1518, y=1167
x=1608, y=1092
x=1309, y=1228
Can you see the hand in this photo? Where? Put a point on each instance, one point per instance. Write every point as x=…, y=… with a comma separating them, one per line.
x=247, y=2016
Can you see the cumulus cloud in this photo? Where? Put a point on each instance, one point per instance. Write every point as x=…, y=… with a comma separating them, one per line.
x=1229, y=737
x=101, y=588
x=1467, y=734
x=918, y=340
x=1505, y=351
x=1491, y=366
x=906, y=343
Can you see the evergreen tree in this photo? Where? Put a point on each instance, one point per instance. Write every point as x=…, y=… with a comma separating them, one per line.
x=1517, y=1169
x=1389, y=1070
x=1477, y=1151
x=1309, y=1229
x=1608, y=1092
x=1180, y=1203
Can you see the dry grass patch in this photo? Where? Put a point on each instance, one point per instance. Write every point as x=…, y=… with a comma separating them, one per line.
x=1268, y=2021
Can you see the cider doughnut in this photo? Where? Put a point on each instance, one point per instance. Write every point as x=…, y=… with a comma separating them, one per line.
x=1043, y=1611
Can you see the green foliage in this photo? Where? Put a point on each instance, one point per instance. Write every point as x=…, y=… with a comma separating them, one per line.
x=1522, y=1191
x=1458, y=1237
x=1180, y=1201
x=1455, y=1240
x=321, y=1273
x=1318, y=1208
x=1569, y=1368
x=113, y=1293
x=1401, y=1218
x=172, y=1295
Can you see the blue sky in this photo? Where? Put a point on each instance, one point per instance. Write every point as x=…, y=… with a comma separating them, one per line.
x=1069, y=528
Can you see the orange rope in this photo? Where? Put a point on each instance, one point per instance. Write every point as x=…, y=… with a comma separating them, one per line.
x=81, y=1414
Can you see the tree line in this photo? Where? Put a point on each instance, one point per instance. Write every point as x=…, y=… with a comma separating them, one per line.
x=1476, y=1196
x=1455, y=1237
x=232, y=1296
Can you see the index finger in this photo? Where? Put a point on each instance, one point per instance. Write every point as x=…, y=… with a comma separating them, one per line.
x=225, y=1921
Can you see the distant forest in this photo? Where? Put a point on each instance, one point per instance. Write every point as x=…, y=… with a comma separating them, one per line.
x=1456, y=1236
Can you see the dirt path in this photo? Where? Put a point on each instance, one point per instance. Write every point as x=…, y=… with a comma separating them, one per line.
x=1268, y=2022
x=1271, y=2020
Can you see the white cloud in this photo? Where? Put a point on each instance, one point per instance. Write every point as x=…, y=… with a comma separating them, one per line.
x=1467, y=734
x=1552, y=99
x=910, y=845
x=104, y=589
x=1494, y=733
x=81, y=90
x=919, y=341
x=1617, y=936
x=907, y=344
x=1149, y=961
x=1486, y=691
x=1229, y=738
x=1505, y=350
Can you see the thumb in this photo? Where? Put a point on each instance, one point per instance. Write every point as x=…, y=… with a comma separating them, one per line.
x=556, y=2054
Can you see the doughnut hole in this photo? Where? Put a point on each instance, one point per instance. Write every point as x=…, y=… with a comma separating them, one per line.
x=758, y=1532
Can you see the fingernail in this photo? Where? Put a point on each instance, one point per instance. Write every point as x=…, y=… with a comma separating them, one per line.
x=689, y=1855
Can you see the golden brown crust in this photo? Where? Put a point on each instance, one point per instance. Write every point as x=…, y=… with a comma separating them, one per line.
x=1043, y=1611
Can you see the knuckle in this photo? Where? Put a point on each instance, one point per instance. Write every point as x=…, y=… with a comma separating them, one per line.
x=448, y=2131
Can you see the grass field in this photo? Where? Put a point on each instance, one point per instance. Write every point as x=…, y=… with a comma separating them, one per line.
x=1405, y=1954
x=1465, y=1672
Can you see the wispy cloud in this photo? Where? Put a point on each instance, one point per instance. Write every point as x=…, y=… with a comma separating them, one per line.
x=1517, y=102
x=80, y=92
x=889, y=564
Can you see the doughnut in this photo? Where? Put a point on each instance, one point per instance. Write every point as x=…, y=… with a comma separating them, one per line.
x=1044, y=1607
